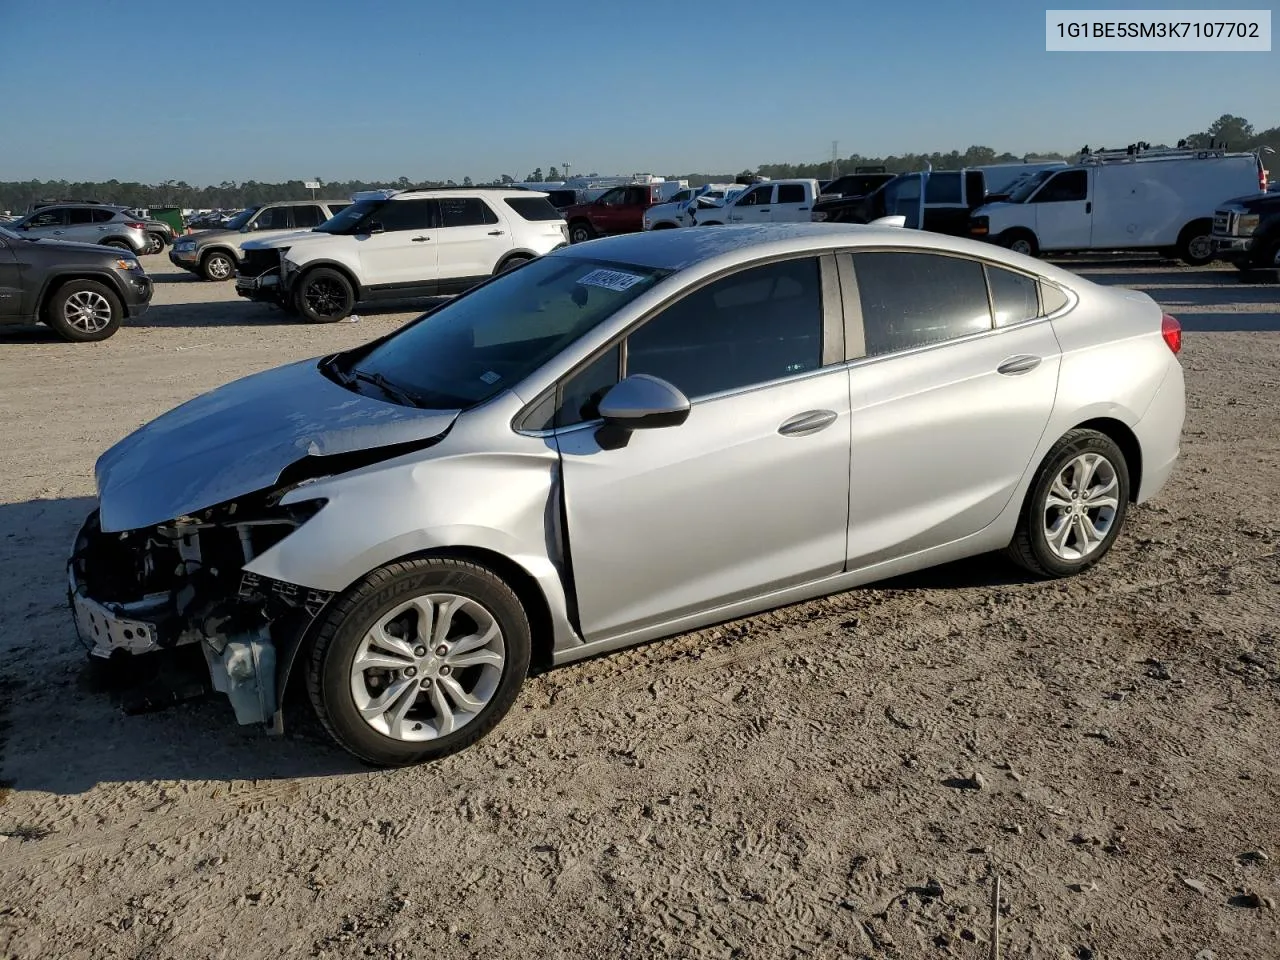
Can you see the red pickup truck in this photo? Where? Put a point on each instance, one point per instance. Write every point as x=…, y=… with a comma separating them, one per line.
x=620, y=210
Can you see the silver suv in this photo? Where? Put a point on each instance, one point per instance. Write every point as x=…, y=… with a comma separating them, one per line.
x=85, y=223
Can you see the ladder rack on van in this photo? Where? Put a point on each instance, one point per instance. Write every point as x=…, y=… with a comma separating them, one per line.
x=1144, y=151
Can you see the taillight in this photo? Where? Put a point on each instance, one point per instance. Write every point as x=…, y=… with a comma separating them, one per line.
x=135, y=226
x=1171, y=330
x=1262, y=179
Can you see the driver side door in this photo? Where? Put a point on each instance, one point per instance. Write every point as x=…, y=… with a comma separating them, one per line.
x=750, y=494
x=754, y=206
x=402, y=254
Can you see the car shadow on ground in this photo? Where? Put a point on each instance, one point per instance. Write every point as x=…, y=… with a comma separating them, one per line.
x=65, y=727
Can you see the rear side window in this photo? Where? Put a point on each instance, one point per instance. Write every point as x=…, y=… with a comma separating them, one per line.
x=335, y=207
x=1052, y=297
x=78, y=215
x=942, y=188
x=1014, y=296
x=916, y=299
x=790, y=193
x=465, y=212
x=103, y=216
x=308, y=216
x=533, y=208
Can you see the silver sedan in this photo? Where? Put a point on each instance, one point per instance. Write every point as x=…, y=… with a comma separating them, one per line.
x=623, y=440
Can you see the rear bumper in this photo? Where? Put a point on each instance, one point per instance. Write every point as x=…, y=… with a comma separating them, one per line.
x=1159, y=433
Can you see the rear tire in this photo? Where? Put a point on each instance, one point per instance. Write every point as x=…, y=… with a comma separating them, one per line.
x=1195, y=243
x=155, y=243
x=119, y=245
x=393, y=616
x=84, y=311
x=1075, y=507
x=511, y=263
x=324, y=295
x=217, y=265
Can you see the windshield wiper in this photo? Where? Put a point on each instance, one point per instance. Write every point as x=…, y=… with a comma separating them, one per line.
x=386, y=386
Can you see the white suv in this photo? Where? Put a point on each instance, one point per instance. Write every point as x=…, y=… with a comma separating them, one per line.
x=396, y=244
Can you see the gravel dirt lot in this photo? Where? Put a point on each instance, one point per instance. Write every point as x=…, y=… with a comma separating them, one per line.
x=844, y=778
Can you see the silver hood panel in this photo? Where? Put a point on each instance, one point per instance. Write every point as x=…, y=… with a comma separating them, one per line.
x=238, y=438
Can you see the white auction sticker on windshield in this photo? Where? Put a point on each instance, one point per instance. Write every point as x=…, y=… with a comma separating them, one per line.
x=611, y=279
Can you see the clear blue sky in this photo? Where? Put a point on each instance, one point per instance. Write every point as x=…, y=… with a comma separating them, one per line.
x=431, y=89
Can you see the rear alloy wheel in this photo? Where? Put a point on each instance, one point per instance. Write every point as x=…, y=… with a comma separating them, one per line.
x=1075, y=508
x=418, y=660
x=324, y=296
x=83, y=311
x=155, y=243
x=217, y=265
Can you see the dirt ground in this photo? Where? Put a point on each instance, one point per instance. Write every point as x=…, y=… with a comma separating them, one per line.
x=849, y=777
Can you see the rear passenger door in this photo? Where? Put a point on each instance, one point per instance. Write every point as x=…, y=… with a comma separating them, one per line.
x=791, y=205
x=471, y=240
x=948, y=403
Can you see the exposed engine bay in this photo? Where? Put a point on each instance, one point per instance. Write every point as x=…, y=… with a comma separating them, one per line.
x=183, y=582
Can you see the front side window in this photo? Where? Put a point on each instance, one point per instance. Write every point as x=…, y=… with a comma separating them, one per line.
x=916, y=299
x=48, y=218
x=1014, y=296
x=902, y=197
x=489, y=339
x=757, y=196
x=580, y=395
x=465, y=212
x=1073, y=185
x=613, y=198
x=754, y=326
x=406, y=215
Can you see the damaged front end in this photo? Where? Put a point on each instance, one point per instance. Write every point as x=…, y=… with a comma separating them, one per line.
x=183, y=582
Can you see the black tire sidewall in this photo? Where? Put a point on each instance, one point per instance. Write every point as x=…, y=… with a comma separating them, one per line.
x=1013, y=236
x=375, y=595
x=299, y=295
x=1184, y=246
x=588, y=233
x=54, y=319
x=1087, y=442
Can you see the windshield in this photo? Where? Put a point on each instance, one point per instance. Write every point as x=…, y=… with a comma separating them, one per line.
x=345, y=220
x=1028, y=187
x=488, y=340
x=241, y=218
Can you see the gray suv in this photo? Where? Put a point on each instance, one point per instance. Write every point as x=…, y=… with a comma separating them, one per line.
x=215, y=254
x=85, y=223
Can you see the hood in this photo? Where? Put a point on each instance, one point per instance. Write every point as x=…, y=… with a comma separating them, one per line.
x=218, y=233
x=238, y=438
x=1253, y=200
x=282, y=240
x=105, y=253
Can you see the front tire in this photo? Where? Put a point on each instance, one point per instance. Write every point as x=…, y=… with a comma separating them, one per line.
x=418, y=660
x=324, y=296
x=84, y=311
x=1195, y=244
x=1021, y=241
x=217, y=265
x=580, y=231
x=1075, y=507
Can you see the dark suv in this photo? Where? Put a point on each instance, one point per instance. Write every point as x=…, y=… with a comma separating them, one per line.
x=82, y=291
x=1246, y=232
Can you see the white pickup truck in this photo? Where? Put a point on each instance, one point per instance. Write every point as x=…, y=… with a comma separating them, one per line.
x=676, y=211
x=777, y=201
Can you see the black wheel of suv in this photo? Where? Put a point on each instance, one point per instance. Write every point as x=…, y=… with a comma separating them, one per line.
x=155, y=243
x=83, y=311
x=324, y=296
x=511, y=263
x=217, y=265
x=580, y=231
x=418, y=660
x=1075, y=507
x=1195, y=243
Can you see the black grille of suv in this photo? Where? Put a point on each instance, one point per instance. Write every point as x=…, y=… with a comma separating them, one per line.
x=258, y=262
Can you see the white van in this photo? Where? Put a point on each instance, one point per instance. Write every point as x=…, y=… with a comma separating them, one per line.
x=1160, y=200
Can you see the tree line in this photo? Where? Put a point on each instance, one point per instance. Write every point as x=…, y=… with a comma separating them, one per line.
x=17, y=196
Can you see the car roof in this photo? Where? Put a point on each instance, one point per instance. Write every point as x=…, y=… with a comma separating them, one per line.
x=447, y=192
x=695, y=246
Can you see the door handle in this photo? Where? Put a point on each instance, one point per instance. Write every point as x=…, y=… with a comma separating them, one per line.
x=802, y=208
x=811, y=421
x=764, y=209
x=1024, y=363
x=421, y=239
x=1088, y=207
x=495, y=233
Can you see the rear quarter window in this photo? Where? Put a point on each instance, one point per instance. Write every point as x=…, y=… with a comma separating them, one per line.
x=533, y=208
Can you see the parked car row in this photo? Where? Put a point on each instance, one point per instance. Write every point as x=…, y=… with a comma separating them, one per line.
x=105, y=224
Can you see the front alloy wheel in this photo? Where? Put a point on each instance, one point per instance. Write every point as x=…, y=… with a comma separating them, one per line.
x=419, y=659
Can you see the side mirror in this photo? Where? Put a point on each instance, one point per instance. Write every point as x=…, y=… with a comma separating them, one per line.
x=643, y=402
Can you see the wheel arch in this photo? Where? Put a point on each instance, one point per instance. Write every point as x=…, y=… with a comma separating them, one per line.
x=519, y=254
x=1127, y=441
x=57, y=281
x=339, y=266
x=213, y=248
